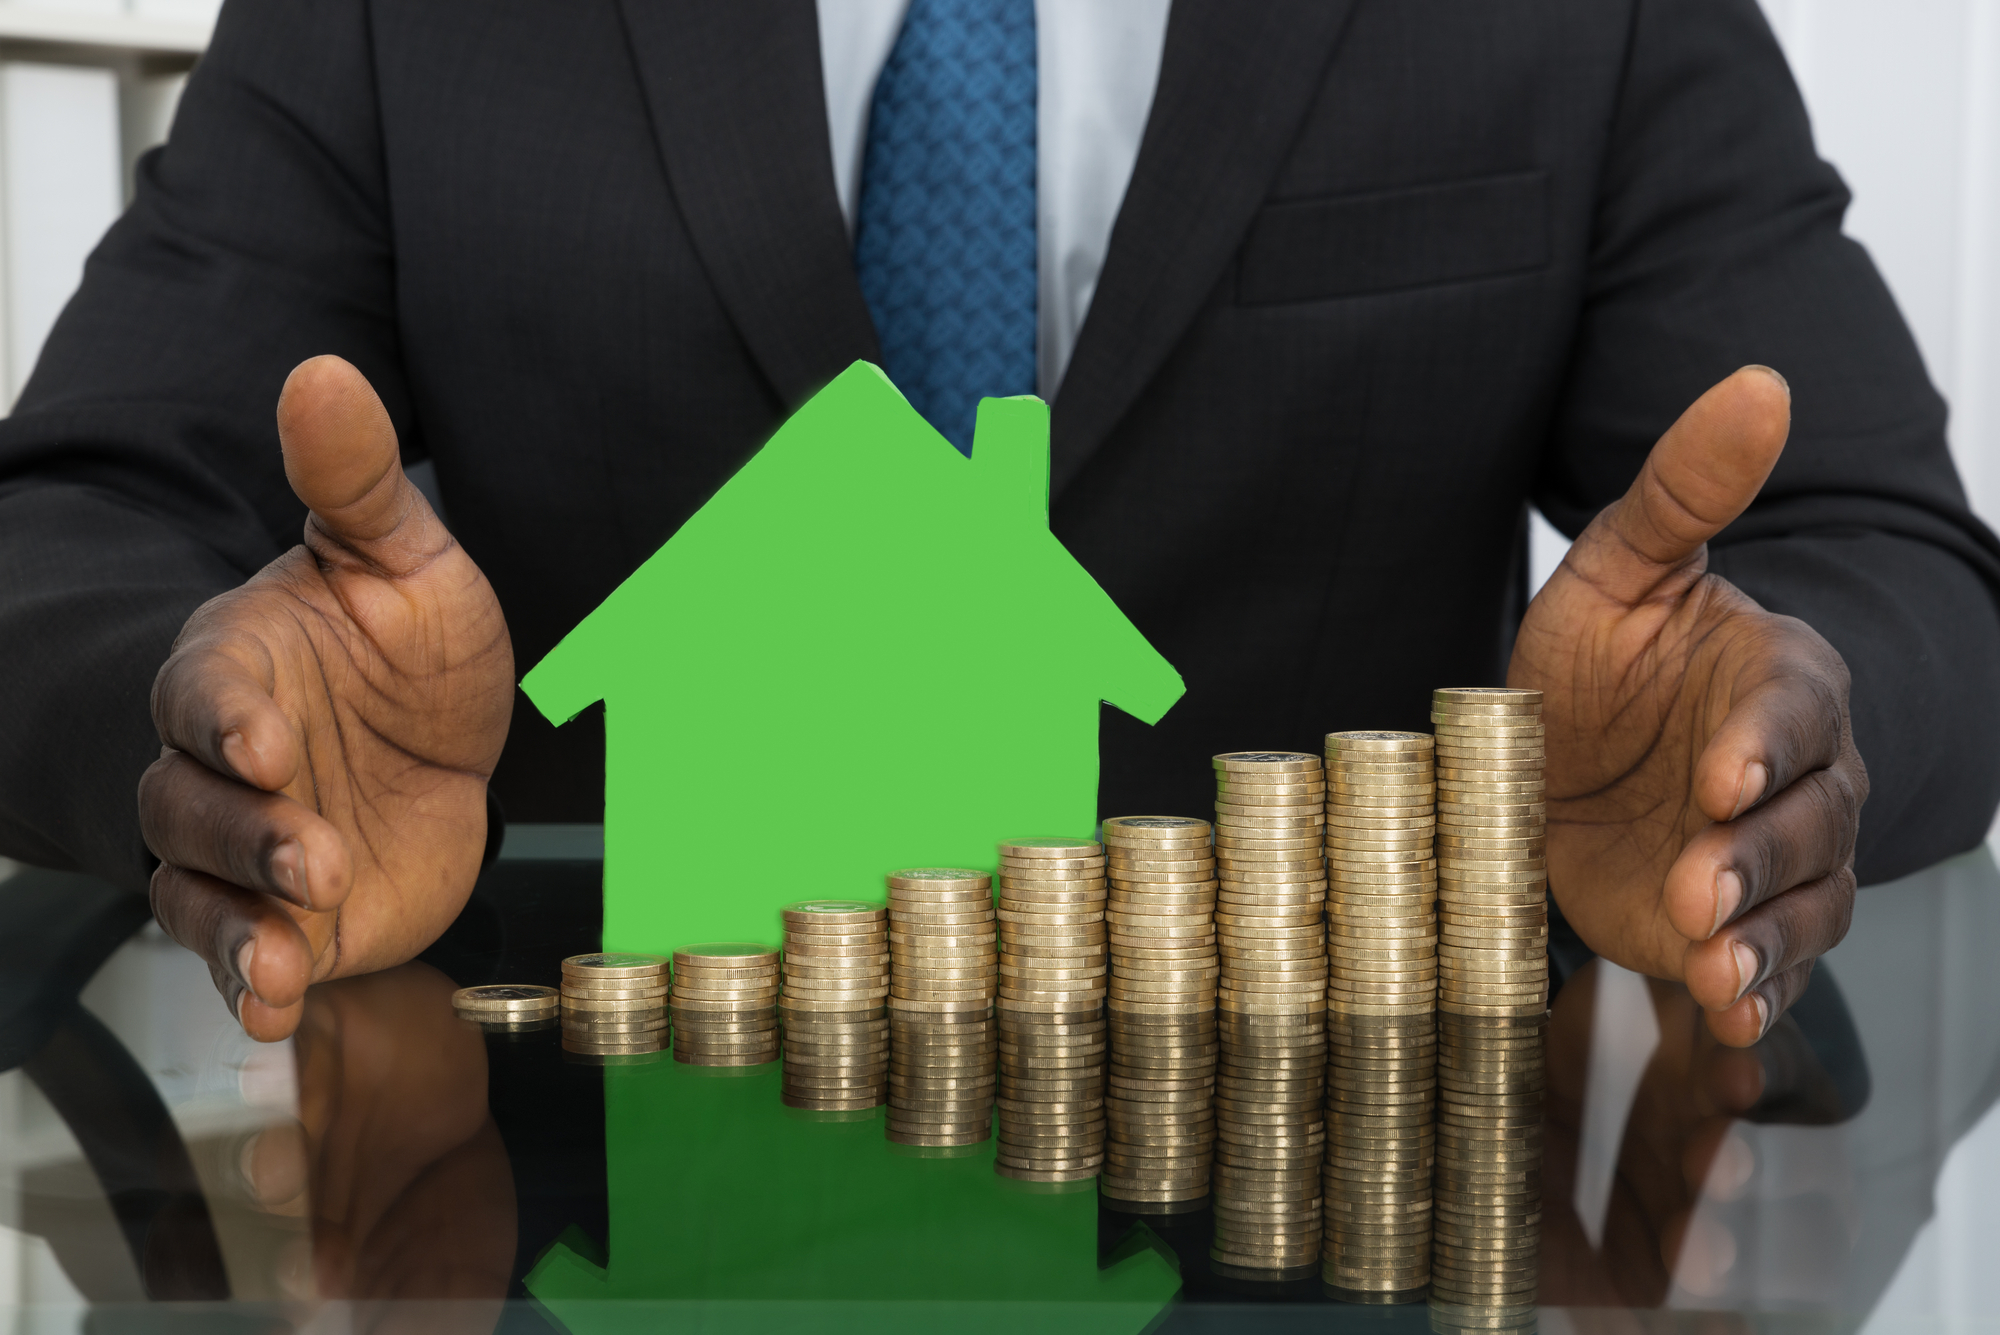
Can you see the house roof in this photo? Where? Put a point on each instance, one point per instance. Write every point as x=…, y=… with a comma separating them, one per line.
x=858, y=532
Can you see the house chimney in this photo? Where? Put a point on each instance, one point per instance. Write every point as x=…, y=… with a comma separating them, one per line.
x=1010, y=450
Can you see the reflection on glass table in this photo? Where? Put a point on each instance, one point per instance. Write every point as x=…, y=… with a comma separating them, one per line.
x=397, y=1167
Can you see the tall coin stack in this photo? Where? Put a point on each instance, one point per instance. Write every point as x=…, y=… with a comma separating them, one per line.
x=941, y=1078
x=1270, y=809
x=1270, y=1133
x=1161, y=914
x=1486, y=1255
x=1381, y=1083
x=1159, y=1105
x=943, y=956
x=835, y=1021
x=944, y=963
x=725, y=1004
x=614, y=1005
x=1051, y=1096
x=1381, y=866
x=1493, y=925
x=1051, y=920
x=1381, y=998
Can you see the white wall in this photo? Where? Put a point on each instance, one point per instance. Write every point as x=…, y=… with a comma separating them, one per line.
x=59, y=190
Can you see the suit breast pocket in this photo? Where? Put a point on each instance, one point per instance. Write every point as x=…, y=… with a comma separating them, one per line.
x=1347, y=245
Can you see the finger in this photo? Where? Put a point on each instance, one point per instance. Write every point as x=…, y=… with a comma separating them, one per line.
x=1701, y=475
x=1795, y=928
x=1728, y=869
x=194, y=818
x=342, y=460
x=213, y=704
x=1751, y=1018
x=257, y=955
x=1790, y=723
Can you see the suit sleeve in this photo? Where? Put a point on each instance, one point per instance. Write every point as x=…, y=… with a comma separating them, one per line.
x=140, y=473
x=1717, y=243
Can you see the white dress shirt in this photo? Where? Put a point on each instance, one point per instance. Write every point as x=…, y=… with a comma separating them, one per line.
x=1099, y=62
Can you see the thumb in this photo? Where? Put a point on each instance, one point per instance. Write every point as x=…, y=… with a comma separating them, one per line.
x=1699, y=477
x=342, y=460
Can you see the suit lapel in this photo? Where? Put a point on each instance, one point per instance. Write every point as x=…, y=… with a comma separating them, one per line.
x=739, y=110
x=1236, y=80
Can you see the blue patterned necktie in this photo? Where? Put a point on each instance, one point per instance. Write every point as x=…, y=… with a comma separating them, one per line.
x=945, y=239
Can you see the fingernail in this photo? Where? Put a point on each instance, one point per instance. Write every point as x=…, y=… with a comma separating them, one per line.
x=1755, y=780
x=1771, y=372
x=245, y=954
x=288, y=868
x=1763, y=1014
x=1747, y=967
x=237, y=752
x=1728, y=898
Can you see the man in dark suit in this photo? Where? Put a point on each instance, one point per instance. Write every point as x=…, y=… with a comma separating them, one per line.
x=1384, y=273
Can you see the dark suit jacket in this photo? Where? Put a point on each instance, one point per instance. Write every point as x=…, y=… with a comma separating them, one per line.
x=1387, y=271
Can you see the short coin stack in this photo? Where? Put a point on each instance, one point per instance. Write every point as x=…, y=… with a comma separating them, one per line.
x=836, y=956
x=1270, y=1132
x=1381, y=867
x=613, y=1005
x=1161, y=914
x=507, y=1005
x=1159, y=1105
x=1381, y=1081
x=1270, y=809
x=836, y=1028
x=941, y=1078
x=1051, y=1096
x=1492, y=852
x=725, y=999
x=1051, y=920
x=943, y=956
x=1486, y=1252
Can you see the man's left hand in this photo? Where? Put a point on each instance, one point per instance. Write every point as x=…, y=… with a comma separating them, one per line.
x=1704, y=790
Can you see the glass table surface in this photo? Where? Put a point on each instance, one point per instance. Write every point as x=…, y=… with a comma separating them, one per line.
x=396, y=1167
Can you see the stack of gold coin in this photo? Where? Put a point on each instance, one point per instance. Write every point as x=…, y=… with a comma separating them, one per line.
x=614, y=1004
x=1493, y=926
x=725, y=1004
x=836, y=956
x=1161, y=914
x=1381, y=1081
x=1270, y=1131
x=1381, y=868
x=507, y=1005
x=836, y=1061
x=1051, y=1095
x=1051, y=921
x=833, y=1010
x=941, y=1077
x=1159, y=1105
x=1486, y=1253
x=943, y=956
x=1270, y=808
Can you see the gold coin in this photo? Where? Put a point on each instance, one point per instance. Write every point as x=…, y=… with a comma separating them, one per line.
x=939, y=878
x=614, y=965
x=1291, y=762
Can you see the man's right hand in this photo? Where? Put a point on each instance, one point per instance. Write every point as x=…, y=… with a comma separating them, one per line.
x=319, y=808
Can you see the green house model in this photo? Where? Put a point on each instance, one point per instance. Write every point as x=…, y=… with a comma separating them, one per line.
x=867, y=651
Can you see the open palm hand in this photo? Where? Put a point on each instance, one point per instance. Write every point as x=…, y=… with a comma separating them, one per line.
x=319, y=809
x=1704, y=790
